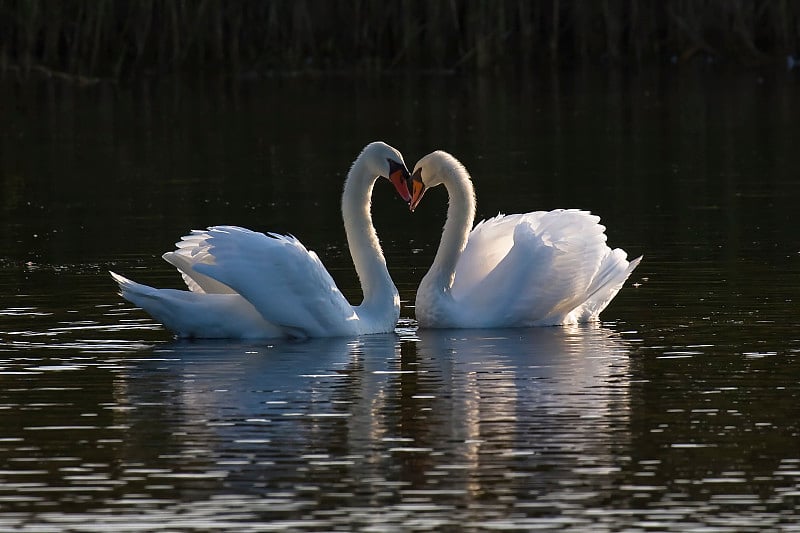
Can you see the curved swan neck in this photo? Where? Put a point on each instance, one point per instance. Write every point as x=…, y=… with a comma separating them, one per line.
x=365, y=249
x=460, y=215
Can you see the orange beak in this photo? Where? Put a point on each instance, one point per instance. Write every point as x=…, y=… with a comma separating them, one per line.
x=417, y=189
x=398, y=175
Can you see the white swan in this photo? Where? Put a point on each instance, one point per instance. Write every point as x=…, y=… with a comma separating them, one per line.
x=532, y=269
x=244, y=284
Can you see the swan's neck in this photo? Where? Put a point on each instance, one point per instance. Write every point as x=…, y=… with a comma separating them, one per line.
x=460, y=215
x=365, y=248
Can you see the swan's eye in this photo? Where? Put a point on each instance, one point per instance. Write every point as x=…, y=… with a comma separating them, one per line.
x=398, y=175
x=394, y=166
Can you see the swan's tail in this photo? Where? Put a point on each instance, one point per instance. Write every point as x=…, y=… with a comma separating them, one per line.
x=131, y=290
x=148, y=298
x=613, y=272
x=198, y=315
x=176, y=310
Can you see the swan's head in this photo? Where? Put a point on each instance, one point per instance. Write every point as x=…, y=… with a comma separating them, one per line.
x=430, y=171
x=387, y=162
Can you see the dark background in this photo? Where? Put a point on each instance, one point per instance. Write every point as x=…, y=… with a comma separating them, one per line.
x=92, y=40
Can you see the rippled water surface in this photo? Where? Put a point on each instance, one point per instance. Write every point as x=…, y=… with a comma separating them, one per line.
x=678, y=412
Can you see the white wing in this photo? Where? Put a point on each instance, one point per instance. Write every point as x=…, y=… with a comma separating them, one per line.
x=489, y=243
x=284, y=281
x=548, y=270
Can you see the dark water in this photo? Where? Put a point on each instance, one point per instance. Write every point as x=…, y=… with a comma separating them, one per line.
x=680, y=411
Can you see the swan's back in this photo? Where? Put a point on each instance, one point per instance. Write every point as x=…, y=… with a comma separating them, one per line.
x=538, y=268
x=283, y=280
x=555, y=231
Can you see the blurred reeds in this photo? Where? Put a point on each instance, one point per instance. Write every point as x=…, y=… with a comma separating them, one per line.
x=118, y=39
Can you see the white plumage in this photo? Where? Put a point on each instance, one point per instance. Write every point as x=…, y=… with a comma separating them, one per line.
x=245, y=284
x=533, y=269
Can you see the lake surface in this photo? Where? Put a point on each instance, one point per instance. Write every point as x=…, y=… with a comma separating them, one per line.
x=679, y=411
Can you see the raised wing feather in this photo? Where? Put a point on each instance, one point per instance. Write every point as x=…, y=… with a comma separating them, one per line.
x=489, y=242
x=613, y=272
x=545, y=274
x=283, y=280
x=193, y=249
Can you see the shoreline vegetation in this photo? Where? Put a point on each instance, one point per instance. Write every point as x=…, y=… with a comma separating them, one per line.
x=90, y=41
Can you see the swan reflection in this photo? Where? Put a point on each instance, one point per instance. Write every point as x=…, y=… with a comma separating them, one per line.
x=468, y=412
x=529, y=402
